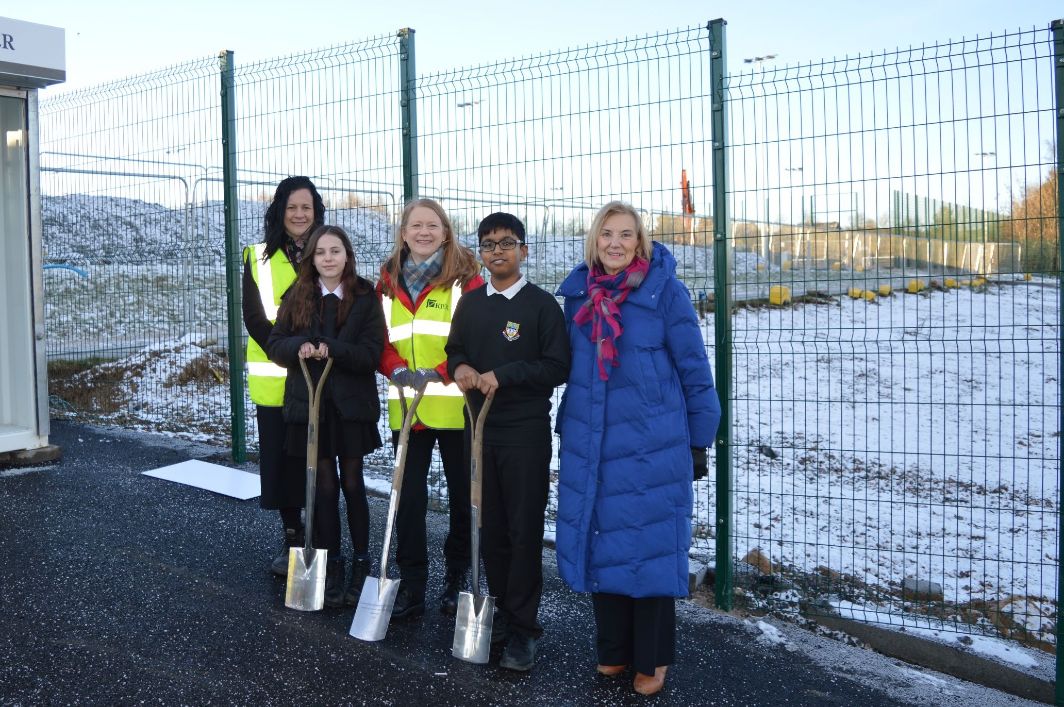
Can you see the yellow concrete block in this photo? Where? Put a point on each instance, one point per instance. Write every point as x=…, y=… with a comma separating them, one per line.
x=785, y=265
x=950, y=283
x=854, y=293
x=884, y=290
x=779, y=295
x=869, y=296
x=761, y=267
x=979, y=282
x=1027, y=276
x=836, y=265
x=915, y=286
x=858, y=268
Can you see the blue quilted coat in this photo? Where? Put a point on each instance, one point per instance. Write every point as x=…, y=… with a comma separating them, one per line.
x=625, y=488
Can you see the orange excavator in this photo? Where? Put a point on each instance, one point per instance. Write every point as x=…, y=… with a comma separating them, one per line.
x=685, y=188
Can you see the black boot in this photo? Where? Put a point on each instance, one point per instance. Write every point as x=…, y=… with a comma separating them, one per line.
x=453, y=582
x=359, y=571
x=293, y=537
x=409, y=602
x=334, y=581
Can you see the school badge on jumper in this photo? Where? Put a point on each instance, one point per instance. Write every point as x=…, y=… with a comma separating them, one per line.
x=512, y=332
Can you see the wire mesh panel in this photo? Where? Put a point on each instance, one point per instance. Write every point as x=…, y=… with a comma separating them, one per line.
x=552, y=138
x=133, y=307
x=896, y=392
x=332, y=115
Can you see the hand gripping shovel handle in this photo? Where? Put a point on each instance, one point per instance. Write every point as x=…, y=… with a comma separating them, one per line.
x=397, y=471
x=314, y=395
x=476, y=483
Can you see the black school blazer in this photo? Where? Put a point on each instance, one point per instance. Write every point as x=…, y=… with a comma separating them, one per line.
x=356, y=352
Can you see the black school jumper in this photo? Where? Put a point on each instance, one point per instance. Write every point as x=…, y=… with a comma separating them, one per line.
x=524, y=342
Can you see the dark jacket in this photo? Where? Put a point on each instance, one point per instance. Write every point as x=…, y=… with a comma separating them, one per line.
x=356, y=352
x=624, y=490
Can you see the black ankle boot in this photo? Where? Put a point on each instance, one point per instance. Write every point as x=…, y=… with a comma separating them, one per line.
x=453, y=582
x=334, y=581
x=293, y=537
x=359, y=571
x=409, y=602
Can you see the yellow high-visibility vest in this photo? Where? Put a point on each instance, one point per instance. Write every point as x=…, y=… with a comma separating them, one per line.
x=420, y=337
x=266, y=378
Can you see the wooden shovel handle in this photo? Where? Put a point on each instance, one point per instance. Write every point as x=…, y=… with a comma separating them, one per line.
x=476, y=478
x=314, y=396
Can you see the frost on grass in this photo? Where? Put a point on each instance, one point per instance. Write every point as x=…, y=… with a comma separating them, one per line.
x=177, y=386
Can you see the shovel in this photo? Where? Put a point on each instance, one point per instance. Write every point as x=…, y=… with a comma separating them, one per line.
x=472, y=628
x=306, y=565
x=378, y=594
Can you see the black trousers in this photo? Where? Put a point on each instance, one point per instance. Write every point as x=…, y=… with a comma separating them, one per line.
x=636, y=632
x=411, y=552
x=516, y=483
x=282, y=481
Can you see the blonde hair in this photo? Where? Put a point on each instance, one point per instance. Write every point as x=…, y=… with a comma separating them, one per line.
x=642, y=248
x=459, y=264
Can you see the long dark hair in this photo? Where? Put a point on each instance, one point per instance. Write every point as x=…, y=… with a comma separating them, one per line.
x=303, y=300
x=459, y=263
x=274, y=219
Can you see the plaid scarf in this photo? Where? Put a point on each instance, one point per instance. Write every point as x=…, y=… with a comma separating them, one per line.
x=416, y=276
x=605, y=293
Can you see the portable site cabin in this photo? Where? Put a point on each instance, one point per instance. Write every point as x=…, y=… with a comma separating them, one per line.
x=32, y=56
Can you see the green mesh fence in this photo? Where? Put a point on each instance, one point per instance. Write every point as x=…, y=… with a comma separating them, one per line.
x=892, y=238
x=896, y=392
x=134, y=308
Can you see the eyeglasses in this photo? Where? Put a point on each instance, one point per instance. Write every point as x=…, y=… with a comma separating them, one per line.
x=505, y=244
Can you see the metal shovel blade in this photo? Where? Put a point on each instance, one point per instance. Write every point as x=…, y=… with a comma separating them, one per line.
x=472, y=630
x=374, y=609
x=306, y=579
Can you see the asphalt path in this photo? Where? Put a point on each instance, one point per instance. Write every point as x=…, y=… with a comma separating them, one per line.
x=117, y=588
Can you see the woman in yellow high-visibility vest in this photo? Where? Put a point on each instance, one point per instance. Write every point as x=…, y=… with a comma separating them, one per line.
x=420, y=286
x=269, y=270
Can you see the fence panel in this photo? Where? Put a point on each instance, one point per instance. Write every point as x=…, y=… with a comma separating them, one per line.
x=553, y=137
x=896, y=425
x=130, y=266
x=333, y=115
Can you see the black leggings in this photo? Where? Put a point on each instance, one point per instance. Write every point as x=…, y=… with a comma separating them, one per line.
x=327, y=505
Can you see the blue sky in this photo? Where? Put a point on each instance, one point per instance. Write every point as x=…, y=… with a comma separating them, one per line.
x=111, y=39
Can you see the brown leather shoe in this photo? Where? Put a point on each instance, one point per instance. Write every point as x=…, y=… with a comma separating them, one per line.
x=650, y=684
x=611, y=671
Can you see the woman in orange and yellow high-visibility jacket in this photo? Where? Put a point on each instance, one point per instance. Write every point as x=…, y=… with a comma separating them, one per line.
x=420, y=286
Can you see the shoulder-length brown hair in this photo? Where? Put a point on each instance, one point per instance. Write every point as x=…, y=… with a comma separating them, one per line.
x=642, y=248
x=302, y=302
x=459, y=263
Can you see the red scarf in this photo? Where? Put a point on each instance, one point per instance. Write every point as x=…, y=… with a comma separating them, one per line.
x=605, y=293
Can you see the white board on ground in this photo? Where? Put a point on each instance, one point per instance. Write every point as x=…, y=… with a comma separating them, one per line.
x=212, y=477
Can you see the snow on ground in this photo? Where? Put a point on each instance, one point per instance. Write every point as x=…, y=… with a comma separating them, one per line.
x=916, y=437
x=913, y=437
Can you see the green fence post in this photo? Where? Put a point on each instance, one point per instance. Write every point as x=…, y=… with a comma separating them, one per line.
x=721, y=312
x=1057, y=29
x=235, y=343
x=408, y=80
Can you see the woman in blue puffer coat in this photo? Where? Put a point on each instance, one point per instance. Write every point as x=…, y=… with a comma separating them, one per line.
x=638, y=413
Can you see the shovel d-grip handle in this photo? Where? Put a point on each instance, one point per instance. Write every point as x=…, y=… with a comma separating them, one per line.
x=397, y=470
x=314, y=397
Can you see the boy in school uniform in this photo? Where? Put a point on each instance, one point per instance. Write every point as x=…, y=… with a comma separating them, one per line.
x=509, y=337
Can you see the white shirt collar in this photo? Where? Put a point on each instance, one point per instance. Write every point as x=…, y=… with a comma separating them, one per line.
x=510, y=291
x=339, y=291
